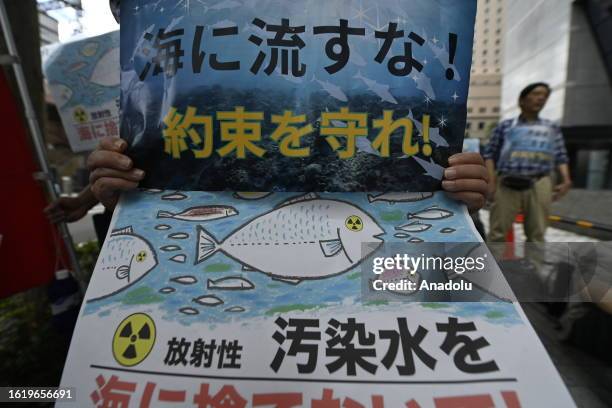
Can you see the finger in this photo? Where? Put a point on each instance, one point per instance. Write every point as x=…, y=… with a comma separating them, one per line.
x=466, y=171
x=132, y=175
x=108, y=159
x=476, y=185
x=474, y=201
x=51, y=208
x=466, y=158
x=114, y=144
x=107, y=189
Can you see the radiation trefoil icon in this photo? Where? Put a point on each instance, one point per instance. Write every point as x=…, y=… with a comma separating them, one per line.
x=354, y=223
x=133, y=339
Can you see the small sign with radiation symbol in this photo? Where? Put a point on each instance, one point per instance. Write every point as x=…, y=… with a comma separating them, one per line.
x=354, y=223
x=80, y=115
x=133, y=339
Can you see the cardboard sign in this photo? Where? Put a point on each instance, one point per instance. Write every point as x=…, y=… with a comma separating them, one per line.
x=274, y=95
x=83, y=79
x=254, y=299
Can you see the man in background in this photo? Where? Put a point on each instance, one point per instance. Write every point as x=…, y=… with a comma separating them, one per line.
x=521, y=157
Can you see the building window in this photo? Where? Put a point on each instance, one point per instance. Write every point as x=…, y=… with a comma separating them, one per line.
x=482, y=109
x=496, y=109
x=481, y=125
x=468, y=125
x=470, y=109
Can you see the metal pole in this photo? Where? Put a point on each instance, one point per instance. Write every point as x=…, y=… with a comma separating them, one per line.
x=37, y=137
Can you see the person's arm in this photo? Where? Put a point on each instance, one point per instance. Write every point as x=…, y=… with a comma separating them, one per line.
x=466, y=180
x=562, y=163
x=71, y=209
x=491, y=154
x=112, y=171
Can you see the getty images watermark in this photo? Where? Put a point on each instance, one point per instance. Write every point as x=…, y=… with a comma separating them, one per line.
x=477, y=272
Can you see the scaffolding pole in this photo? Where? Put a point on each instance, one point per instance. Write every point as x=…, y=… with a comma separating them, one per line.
x=37, y=137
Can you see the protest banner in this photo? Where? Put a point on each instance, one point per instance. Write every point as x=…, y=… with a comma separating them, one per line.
x=83, y=79
x=273, y=95
x=204, y=299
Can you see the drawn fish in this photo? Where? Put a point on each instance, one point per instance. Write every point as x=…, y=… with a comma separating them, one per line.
x=414, y=227
x=431, y=168
x=181, y=258
x=434, y=133
x=309, y=238
x=127, y=258
x=105, y=73
x=423, y=83
x=447, y=230
x=178, y=235
x=162, y=227
x=251, y=195
x=202, y=213
x=415, y=240
x=379, y=89
x=170, y=248
x=399, y=197
x=167, y=290
x=185, y=280
x=401, y=235
x=333, y=90
x=230, y=283
x=152, y=190
x=189, y=311
x=174, y=197
x=235, y=309
x=208, y=300
x=431, y=213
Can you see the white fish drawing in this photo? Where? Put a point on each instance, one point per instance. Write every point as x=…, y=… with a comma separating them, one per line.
x=423, y=83
x=401, y=235
x=162, y=227
x=447, y=230
x=202, y=213
x=185, y=280
x=189, y=311
x=170, y=248
x=235, y=309
x=399, y=197
x=415, y=226
x=434, y=133
x=174, y=23
x=208, y=300
x=431, y=213
x=227, y=4
x=431, y=169
x=415, y=240
x=178, y=235
x=105, y=73
x=230, y=283
x=251, y=195
x=357, y=59
x=127, y=258
x=180, y=258
x=167, y=290
x=325, y=235
x=174, y=197
x=333, y=90
x=379, y=89
x=441, y=55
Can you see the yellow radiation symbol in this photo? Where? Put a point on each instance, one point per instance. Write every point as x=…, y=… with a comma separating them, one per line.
x=141, y=256
x=354, y=223
x=80, y=115
x=133, y=339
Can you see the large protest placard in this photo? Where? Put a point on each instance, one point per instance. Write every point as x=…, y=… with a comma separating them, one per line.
x=270, y=95
x=83, y=79
x=206, y=299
